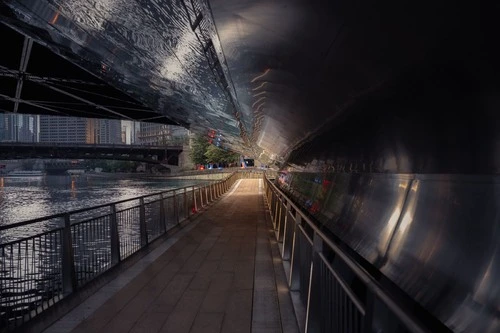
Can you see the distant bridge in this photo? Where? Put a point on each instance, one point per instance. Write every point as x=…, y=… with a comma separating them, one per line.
x=150, y=154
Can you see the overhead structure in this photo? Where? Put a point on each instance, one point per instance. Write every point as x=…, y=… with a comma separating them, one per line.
x=281, y=81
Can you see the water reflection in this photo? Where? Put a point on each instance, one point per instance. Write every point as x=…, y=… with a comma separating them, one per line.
x=24, y=199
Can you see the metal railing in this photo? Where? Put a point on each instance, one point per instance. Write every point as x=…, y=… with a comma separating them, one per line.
x=38, y=270
x=337, y=293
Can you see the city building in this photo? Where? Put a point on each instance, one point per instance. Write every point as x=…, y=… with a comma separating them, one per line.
x=161, y=134
x=19, y=127
x=58, y=129
x=107, y=131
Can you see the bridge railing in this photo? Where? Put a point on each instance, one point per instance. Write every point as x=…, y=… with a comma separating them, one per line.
x=338, y=295
x=38, y=269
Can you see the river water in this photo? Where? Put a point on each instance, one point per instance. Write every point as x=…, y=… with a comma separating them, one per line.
x=28, y=198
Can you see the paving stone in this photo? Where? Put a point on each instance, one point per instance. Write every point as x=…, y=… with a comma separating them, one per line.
x=218, y=277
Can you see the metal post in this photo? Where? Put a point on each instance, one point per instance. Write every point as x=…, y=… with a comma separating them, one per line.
x=279, y=221
x=142, y=223
x=286, y=233
x=276, y=212
x=283, y=221
x=186, y=208
x=68, y=260
x=313, y=310
x=294, y=264
x=194, y=202
x=201, y=197
x=176, y=208
x=163, y=213
x=115, y=240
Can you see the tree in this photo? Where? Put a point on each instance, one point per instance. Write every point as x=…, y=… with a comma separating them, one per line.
x=198, y=150
x=217, y=155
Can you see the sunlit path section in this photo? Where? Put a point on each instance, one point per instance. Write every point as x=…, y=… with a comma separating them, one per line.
x=221, y=273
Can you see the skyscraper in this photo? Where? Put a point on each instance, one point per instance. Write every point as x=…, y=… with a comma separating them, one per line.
x=161, y=134
x=18, y=127
x=108, y=131
x=59, y=129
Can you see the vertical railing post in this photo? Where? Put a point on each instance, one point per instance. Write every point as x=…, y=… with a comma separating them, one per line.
x=282, y=231
x=276, y=212
x=142, y=223
x=286, y=232
x=186, y=208
x=68, y=259
x=114, y=238
x=201, y=197
x=313, y=310
x=176, y=209
x=163, y=213
x=294, y=281
x=211, y=192
x=195, y=204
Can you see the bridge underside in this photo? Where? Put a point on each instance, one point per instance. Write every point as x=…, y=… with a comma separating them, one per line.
x=153, y=155
x=382, y=87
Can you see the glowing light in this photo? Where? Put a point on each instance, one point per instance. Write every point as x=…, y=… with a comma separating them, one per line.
x=414, y=186
x=257, y=109
x=261, y=85
x=405, y=223
x=258, y=94
x=389, y=229
x=54, y=19
x=260, y=76
x=73, y=188
x=258, y=101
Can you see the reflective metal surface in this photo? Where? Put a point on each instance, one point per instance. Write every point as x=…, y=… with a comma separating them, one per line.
x=435, y=236
x=149, y=49
x=445, y=252
x=381, y=87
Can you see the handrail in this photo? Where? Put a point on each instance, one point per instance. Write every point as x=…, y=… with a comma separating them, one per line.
x=47, y=267
x=81, y=210
x=319, y=237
